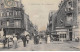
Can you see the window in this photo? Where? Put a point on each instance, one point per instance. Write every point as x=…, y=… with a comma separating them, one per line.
x=1, y=14
x=7, y=13
x=62, y=35
x=17, y=23
x=10, y=13
x=16, y=13
x=7, y=23
x=70, y=29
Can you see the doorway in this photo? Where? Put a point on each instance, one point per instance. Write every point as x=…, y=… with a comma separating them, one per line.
x=70, y=36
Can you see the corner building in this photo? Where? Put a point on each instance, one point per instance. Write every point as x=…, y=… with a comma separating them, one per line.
x=11, y=18
x=67, y=20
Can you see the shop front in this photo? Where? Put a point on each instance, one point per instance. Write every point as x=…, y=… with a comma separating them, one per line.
x=62, y=34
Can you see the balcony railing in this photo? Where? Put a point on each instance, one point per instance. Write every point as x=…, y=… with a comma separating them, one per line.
x=11, y=26
x=10, y=17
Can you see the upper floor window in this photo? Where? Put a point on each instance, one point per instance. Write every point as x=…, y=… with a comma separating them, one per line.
x=16, y=13
x=7, y=23
x=7, y=13
x=19, y=12
x=79, y=1
x=10, y=13
x=69, y=4
x=1, y=14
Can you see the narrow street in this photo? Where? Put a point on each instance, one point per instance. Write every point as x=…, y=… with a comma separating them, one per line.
x=53, y=46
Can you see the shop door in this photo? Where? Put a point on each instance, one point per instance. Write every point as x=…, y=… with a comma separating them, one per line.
x=70, y=36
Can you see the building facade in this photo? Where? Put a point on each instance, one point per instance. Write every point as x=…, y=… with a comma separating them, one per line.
x=11, y=17
x=67, y=20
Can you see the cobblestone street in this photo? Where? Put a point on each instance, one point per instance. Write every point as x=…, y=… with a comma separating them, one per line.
x=54, y=46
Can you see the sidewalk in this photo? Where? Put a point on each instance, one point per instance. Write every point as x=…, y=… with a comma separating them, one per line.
x=74, y=44
x=1, y=45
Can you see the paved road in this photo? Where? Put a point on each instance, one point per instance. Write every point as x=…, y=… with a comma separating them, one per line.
x=54, y=46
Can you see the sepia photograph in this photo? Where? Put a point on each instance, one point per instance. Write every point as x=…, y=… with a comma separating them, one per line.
x=39, y=25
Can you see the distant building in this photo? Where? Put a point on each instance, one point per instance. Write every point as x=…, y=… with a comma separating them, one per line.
x=42, y=34
x=30, y=27
x=51, y=26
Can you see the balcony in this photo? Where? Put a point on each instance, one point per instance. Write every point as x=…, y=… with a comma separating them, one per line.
x=69, y=22
x=68, y=10
x=11, y=26
x=8, y=17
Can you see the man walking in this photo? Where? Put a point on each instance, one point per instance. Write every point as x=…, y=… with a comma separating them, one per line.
x=24, y=40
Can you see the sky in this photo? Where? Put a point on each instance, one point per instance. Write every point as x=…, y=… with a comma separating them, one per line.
x=38, y=11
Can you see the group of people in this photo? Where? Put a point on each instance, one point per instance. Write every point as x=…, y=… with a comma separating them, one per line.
x=25, y=39
x=15, y=41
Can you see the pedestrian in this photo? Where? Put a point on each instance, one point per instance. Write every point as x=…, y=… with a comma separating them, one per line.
x=40, y=40
x=4, y=41
x=34, y=39
x=14, y=41
x=24, y=40
x=48, y=38
x=37, y=39
x=27, y=38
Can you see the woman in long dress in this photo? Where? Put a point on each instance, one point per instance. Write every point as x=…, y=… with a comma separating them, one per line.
x=14, y=42
x=48, y=39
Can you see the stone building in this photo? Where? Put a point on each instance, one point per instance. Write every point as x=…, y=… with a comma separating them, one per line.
x=51, y=25
x=11, y=17
x=67, y=23
x=67, y=20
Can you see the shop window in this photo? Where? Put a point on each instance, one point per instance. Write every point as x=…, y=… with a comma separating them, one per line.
x=70, y=29
x=10, y=13
x=62, y=35
x=19, y=12
x=70, y=3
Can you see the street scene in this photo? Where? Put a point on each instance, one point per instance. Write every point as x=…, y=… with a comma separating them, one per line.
x=43, y=25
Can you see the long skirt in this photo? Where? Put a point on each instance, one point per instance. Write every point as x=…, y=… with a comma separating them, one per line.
x=15, y=44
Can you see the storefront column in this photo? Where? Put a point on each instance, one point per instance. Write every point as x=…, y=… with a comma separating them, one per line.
x=67, y=36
